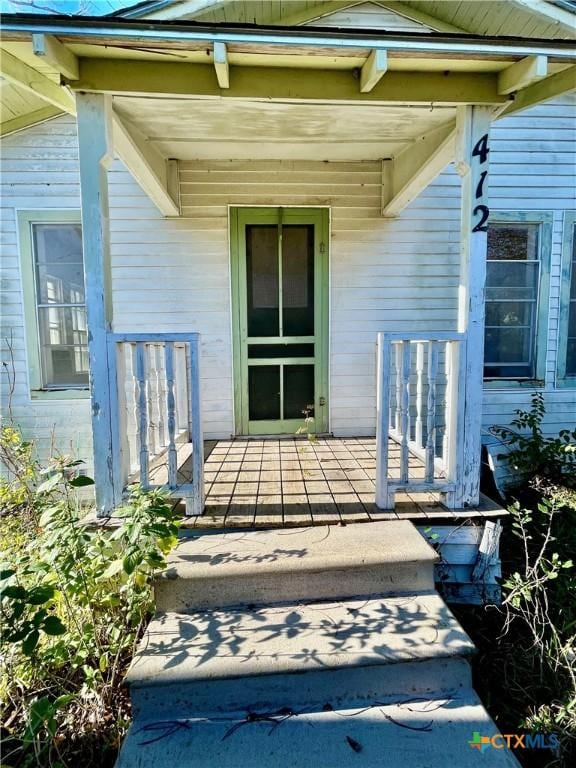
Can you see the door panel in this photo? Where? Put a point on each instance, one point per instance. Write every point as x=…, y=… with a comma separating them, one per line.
x=262, y=280
x=264, y=392
x=298, y=280
x=298, y=385
x=280, y=318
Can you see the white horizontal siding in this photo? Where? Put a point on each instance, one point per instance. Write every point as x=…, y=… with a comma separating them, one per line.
x=532, y=164
x=39, y=171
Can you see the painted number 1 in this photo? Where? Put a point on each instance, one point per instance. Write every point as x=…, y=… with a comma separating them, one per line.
x=481, y=151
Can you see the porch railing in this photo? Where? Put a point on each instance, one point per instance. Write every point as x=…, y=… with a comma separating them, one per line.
x=159, y=441
x=419, y=407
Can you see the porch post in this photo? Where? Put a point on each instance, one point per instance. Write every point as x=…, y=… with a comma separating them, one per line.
x=472, y=157
x=94, y=118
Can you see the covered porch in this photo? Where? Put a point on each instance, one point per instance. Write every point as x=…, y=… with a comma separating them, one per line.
x=354, y=124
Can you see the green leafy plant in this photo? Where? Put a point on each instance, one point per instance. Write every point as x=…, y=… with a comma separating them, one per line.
x=74, y=601
x=16, y=456
x=540, y=595
x=532, y=453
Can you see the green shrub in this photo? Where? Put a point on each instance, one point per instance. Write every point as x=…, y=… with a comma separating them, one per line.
x=540, y=597
x=74, y=602
x=531, y=453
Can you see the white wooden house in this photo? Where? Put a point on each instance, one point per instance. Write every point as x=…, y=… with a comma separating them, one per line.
x=258, y=193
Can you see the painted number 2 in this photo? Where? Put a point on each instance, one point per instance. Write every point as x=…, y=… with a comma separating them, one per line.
x=481, y=152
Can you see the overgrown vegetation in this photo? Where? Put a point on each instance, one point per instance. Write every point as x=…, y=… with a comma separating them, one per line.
x=526, y=668
x=532, y=455
x=74, y=602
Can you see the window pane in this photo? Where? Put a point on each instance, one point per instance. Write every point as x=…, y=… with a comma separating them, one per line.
x=262, y=280
x=298, y=390
x=513, y=241
x=263, y=392
x=508, y=353
x=280, y=350
x=62, y=333
x=571, y=341
x=59, y=268
x=512, y=279
x=298, y=279
x=63, y=345
x=571, y=358
x=509, y=313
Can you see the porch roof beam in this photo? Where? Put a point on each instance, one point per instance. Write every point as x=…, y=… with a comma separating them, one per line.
x=522, y=74
x=221, y=64
x=88, y=31
x=373, y=69
x=550, y=87
x=178, y=80
x=56, y=55
x=22, y=122
x=32, y=81
x=405, y=176
x=148, y=167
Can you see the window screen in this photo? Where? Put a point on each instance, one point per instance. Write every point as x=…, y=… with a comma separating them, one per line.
x=571, y=340
x=512, y=280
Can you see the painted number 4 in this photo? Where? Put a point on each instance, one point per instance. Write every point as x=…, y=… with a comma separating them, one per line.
x=481, y=151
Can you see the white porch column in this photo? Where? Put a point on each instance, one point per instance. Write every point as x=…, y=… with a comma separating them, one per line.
x=472, y=158
x=94, y=113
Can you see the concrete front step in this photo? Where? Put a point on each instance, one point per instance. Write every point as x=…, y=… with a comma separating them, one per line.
x=268, y=567
x=303, y=654
x=412, y=733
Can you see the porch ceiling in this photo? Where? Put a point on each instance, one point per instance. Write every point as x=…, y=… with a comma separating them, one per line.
x=195, y=129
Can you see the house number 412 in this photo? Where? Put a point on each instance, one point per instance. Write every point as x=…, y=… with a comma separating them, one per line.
x=481, y=151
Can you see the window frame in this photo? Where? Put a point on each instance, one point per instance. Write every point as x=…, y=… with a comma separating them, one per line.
x=26, y=221
x=568, y=236
x=545, y=221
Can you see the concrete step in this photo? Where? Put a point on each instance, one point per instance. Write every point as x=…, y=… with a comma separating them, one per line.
x=412, y=733
x=276, y=566
x=349, y=651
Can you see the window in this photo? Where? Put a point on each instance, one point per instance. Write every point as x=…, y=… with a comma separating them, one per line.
x=516, y=296
x=567, y=323
x=53, y=280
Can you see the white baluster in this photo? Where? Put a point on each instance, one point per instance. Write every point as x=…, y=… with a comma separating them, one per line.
x=123, y=412
x=404, y=410
x=171, y=411
x=431, y=411
x=142, y=401
x=135, y=420
x=419, y=394
x=152, y=395
x=397, y=393
x=161, y=389
x=447, y=377
x=452, y=461
x=384, y=497
x=182, y=394
x=195, y=505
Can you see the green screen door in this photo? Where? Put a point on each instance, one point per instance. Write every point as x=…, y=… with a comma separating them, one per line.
x=280, y=319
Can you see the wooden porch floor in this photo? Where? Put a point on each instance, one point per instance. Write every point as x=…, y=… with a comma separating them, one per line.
x=295, y=482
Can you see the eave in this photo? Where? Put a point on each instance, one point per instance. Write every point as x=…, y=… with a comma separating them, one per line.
x=104, y=31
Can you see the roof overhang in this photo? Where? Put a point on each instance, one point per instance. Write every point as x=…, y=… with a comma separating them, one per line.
x=192, y=91
x=168, y=34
